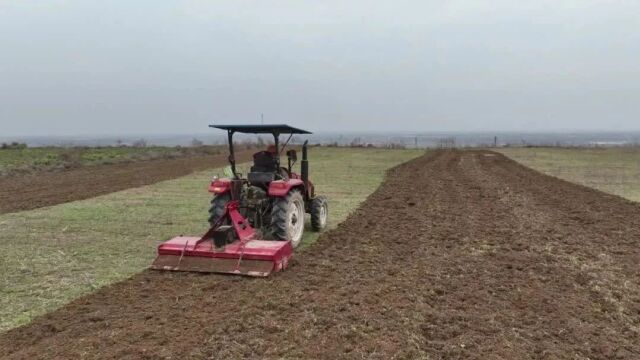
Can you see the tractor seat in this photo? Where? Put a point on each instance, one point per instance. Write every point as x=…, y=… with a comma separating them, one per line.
x=265, y=170
x=265, y=162
x=261, y=179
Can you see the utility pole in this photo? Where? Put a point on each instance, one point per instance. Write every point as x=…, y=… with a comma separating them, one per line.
x=261, y=118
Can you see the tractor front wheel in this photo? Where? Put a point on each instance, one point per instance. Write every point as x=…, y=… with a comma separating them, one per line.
x=319, y=212
x=287, y=218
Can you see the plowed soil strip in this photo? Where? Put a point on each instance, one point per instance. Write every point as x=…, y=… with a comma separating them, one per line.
x=457, y=255
x=26, y=192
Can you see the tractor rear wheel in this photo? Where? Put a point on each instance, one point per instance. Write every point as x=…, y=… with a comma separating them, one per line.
x=217, y=208
x=319, y=212
x=287, y=218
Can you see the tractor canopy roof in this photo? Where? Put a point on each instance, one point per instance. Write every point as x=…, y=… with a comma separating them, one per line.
x=262, y=129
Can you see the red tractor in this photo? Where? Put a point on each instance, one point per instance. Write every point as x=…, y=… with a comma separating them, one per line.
x=255, y=221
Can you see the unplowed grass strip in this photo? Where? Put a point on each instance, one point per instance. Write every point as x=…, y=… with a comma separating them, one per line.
x=614, y=170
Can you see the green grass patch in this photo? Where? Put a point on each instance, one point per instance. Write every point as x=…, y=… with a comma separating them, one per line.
x=47, y=158
x=52, y=255
x=612, y=170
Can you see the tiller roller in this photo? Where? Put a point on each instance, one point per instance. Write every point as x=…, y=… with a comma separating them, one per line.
x=232, y=249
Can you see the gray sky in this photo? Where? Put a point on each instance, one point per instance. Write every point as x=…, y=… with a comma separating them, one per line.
x=118, y=67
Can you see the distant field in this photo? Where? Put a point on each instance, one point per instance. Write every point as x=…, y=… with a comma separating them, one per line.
x=53, y=255
x=46, y=158
x=612, y=170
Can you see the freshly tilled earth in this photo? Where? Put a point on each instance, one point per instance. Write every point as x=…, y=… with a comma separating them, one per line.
x=46, y=188
x=457, y=255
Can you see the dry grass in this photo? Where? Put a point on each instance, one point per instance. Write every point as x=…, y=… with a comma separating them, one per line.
x=612, y=170
x=55, y=158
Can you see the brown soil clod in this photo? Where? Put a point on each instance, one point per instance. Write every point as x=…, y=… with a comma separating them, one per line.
x=494, y=261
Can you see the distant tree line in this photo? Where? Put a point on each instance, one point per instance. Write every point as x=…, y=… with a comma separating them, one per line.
x=13, y=146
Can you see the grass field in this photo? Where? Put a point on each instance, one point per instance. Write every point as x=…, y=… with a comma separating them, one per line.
x=21, y=160
x=52, y=255
x=612, y=170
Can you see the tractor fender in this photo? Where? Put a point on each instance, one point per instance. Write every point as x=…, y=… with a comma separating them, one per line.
x=220, y=186
x=280, y=188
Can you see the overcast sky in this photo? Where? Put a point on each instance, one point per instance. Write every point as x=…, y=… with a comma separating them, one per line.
x=118, y=67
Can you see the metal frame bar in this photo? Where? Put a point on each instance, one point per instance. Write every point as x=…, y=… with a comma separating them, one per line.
x=232, y=157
